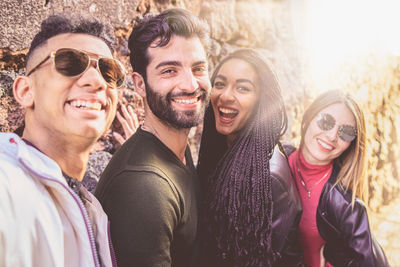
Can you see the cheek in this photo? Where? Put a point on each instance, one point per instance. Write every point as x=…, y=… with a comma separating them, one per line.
x=205, y=83
x=49, y=98
x=113, y=98
x=249, y=105
x=344, y=146
x=313, y=129
x=214, y=97
x=214, y=105
x=308, y=136
x=162, y=85
x=113, y=93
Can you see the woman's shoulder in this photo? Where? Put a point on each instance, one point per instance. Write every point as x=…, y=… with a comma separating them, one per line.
x=288, y=148
x=278, y=163
x=282, y=178
x=336, y=202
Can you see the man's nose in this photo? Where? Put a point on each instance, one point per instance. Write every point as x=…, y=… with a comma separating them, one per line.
x=189, y=82
x=92, y=78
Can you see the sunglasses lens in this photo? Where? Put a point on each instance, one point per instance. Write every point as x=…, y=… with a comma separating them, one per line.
x=70, y=62
x=326, y=122
x=112, y=72
x=347, y=133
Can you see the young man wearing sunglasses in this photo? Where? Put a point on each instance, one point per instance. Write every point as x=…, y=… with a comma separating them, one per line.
x=70, y=97
x=150, y=190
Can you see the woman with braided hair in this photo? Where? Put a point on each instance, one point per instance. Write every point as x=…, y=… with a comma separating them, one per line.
x=251, y=206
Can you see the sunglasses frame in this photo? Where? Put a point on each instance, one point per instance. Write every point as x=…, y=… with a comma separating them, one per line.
x=53, y=56
x=340, y=130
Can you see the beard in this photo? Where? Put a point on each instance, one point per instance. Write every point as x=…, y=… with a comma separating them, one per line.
x=161, y=106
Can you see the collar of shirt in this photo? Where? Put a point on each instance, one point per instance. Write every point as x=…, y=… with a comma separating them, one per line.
x=74, y=184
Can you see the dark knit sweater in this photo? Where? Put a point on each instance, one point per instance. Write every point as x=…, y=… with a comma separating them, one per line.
x=151, y=199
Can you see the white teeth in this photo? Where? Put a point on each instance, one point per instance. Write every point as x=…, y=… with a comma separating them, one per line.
x=324, y=145
x=186, y=101
x=227, y=111
x=86, y=104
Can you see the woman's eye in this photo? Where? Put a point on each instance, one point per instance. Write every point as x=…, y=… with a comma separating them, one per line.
x=219, y=85
x=243, y=89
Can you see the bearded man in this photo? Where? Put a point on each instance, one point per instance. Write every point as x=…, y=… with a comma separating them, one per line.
x=150, y=189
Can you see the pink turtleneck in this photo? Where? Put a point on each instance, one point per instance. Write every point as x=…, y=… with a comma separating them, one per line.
x=315, y=177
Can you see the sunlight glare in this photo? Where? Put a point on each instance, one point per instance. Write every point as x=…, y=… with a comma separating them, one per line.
x=338, y=33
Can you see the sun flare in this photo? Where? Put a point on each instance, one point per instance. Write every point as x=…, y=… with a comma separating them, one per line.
x=337, y=34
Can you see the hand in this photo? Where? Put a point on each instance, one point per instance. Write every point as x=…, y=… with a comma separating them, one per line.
x=129, y=122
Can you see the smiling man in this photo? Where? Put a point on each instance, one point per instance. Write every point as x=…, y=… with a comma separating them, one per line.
x=70, y=97
x=150, y=188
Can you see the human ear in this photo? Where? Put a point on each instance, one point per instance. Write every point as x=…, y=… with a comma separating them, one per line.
x=139, y=84
x=22, y=90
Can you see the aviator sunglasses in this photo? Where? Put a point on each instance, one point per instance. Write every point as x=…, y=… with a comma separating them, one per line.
x=345, y=132
x=73, y=62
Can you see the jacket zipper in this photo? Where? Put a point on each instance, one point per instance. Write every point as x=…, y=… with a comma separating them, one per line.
x=113, y=258
x=83, y=212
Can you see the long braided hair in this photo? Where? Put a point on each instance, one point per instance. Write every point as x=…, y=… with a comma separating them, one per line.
x=236, y=180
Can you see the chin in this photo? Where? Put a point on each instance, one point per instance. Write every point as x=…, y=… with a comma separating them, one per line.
x=92, y=132
x=223, y=131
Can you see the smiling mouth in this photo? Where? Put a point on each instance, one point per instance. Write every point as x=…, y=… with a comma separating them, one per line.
x=324, y=145
x=185, y=100
x=188, y=98
x=86, y=105
x=227, y=113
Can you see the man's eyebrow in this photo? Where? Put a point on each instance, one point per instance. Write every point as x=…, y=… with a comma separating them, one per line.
x=169, y=63
x=178, y=63
x=200, y=62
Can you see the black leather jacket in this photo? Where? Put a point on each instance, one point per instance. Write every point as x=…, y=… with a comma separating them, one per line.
x=349, y=241
x=287, y=212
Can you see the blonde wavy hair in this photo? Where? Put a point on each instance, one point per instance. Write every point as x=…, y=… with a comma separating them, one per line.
x=352, y=161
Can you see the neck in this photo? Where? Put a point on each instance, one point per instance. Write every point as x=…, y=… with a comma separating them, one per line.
x=175, y=139
x=309, y=169
x=230, y=138
x=71, y=154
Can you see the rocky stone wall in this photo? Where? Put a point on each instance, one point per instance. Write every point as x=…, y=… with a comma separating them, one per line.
x=263, y=24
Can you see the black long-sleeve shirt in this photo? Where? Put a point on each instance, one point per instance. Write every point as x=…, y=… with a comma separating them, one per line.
x=151, y=199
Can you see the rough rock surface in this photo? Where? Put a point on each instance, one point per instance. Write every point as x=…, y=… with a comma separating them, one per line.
x=97, y=163
x=21, y=19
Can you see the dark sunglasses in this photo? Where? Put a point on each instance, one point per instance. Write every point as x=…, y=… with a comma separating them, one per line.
x=72, y=62
x=326, y=122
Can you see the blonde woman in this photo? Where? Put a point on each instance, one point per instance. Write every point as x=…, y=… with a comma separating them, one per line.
x=329, y=170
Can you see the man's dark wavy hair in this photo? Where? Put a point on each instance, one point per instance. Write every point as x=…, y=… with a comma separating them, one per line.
x=171, y=22
x=236, y=180
x=73, y=23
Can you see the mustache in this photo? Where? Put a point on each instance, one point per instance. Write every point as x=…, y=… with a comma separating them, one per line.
x=198, y=92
